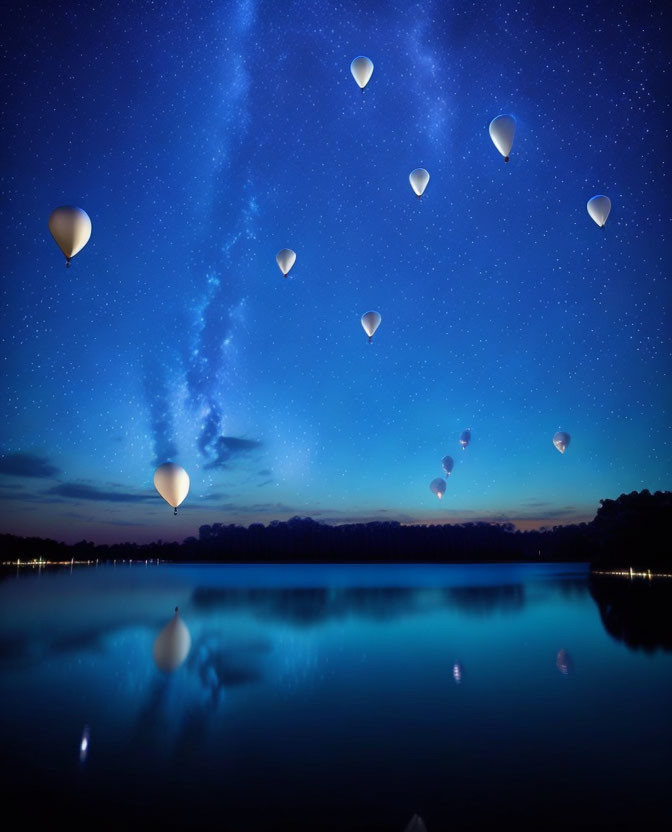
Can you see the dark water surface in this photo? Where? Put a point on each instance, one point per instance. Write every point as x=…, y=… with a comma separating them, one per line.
x=338, y=697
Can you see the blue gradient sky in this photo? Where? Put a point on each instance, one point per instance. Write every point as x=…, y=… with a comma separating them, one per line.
x=203, y=137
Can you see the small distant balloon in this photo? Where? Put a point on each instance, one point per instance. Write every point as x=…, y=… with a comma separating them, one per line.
x=172, y=645
x=172, y=483
x=362, y=70
x=418, y=179
x=564, y=662
x=447, y=463
x=458, y=672
x=561, y=440
x=371, y=322
x=502, y=130
x=71, y=228
x=438, y=487
x=465, y=438
x=285, y=259
x=599, y=207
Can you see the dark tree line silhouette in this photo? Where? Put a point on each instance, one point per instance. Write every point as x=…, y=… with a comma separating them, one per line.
x=629, y=531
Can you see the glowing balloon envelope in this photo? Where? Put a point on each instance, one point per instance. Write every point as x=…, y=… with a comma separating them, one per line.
x=172, y=644
x=465, y=438
x=371, y=322
x=599, y=207
x=362, y=70
x=438, y=487
x=502, y=130
x=447, y=463
x=561, y=441
x=71, y=228
x=418, y=179
x=285, y=259
x=172, y=483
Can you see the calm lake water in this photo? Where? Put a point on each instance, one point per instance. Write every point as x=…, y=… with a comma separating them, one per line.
x=338, y=697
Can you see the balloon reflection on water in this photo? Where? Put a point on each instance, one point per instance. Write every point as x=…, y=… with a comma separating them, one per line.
x=564, y=662
x=172, y=645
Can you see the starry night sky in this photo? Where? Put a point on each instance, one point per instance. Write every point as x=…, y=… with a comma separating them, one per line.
x=202, y=137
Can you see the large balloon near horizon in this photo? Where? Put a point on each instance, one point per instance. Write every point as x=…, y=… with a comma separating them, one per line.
x=438, y=487
x=362, y=70
x=502, y=131
x=561, y=441
x=172, y=483
x=285, y=259
x=371, y=322
x=172, y=644
x=599, y=207
x=447, y=463
x=465, y=438
x=419, y=179
x=71, y=228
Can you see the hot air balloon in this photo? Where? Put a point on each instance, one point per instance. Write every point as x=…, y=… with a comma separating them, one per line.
x=502, y=130
x=172, y=644
x=286, y=259
x=71, y=228
x=447, y=463
x=416, y=824
x=172, y=483
x=561, y=441
x=418, y=179
x=371, y=322
x=465, y=438
x=564, y=662
x=362, y=70
x=599, y=207
x=438, y=487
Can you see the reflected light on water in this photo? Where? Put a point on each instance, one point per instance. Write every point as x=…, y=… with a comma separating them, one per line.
x=348, y=685
x=416, y=824
x=84, y=745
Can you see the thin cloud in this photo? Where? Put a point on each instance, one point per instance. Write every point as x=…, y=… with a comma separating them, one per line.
x=228, y=448
x=27, y=465
x=81, y=491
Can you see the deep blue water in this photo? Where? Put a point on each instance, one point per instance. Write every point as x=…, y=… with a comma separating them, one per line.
x=338, y=697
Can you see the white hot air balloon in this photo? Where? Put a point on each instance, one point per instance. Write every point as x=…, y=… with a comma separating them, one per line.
x=447, y=463
x=362, y=70
x=599, y=207
x=561, y=441
x=172, y=483
x=172, y=644
x=438, y=487
x=502, y=130
x=285, y=259
x=418, y=179
x=371, y=322
x=465, y=438
x=71, y=228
